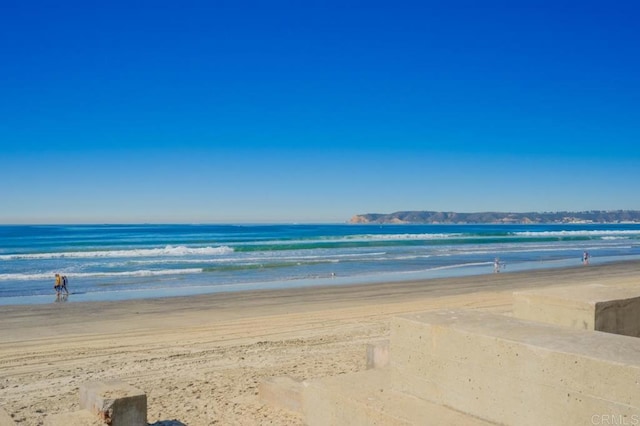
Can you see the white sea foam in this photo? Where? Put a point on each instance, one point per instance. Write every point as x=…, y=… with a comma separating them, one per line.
x=492, y=250
x=586, y=233
x=138, y=273
x=459, y=265
x=155, y=252
x=441, y=236
x=395, y=237
x=438, y=268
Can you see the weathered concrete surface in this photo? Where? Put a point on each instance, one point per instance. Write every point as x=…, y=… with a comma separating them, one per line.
x=515, y=372
x=116, y=402
x=5, y=419
x=587, y=307
x=77, y=418
x=283, y=392
x=365, y=399
x=378, y=354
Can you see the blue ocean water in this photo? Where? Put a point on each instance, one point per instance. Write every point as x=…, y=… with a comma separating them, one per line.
x=117, y=262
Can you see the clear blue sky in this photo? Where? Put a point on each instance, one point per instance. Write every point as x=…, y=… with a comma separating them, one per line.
x=308, y=111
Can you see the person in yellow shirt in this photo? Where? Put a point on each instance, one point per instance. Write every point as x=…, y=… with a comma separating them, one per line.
x=58, y=284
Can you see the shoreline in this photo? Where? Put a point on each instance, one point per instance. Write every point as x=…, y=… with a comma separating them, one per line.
x=204, y=290
x=200, y=358
x=419, y=285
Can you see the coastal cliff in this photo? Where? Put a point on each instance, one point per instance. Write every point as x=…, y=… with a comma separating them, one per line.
x=433, y=217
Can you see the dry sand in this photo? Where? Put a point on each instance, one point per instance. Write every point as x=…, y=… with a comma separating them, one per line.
x=199, y=359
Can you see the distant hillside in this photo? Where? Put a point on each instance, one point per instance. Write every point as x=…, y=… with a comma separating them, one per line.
x=593, y=216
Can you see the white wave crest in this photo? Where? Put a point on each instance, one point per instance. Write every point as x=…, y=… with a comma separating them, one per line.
x=393, y=237
x=592, y=233
x=155, y=252
x=138, y=273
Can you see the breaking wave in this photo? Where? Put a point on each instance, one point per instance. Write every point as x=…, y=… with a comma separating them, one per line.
x=139, y=273
x=154, y=252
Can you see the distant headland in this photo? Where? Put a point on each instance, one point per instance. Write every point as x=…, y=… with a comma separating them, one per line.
x=433, y=217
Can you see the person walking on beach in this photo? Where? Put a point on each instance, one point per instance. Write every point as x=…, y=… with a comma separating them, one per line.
x=57, y=286
x=63, y=287
x=585, y=258
x=496, y=265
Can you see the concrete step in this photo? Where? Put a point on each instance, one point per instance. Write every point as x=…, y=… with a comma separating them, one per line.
x=366, y=399
x=116, y=402
x=282, y=392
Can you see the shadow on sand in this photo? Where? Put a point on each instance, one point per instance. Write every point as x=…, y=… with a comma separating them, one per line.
x=168, y=423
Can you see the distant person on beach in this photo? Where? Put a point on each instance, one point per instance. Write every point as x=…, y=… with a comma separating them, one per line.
x=496, y=265
x=63, y=287
x=585, y=258
x=58, y=285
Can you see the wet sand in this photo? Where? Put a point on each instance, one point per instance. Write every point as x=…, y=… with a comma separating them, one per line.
x=200, y=358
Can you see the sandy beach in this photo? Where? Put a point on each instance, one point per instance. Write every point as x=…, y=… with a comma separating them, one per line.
x=199, y=359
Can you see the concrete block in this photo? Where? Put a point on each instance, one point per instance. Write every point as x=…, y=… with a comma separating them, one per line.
x=515, y=372
x=366, y=399
x=378, y=354
x=116, y=402
x=76, y=418
x=282, y=392
x=587, y=307
x=5, y=419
